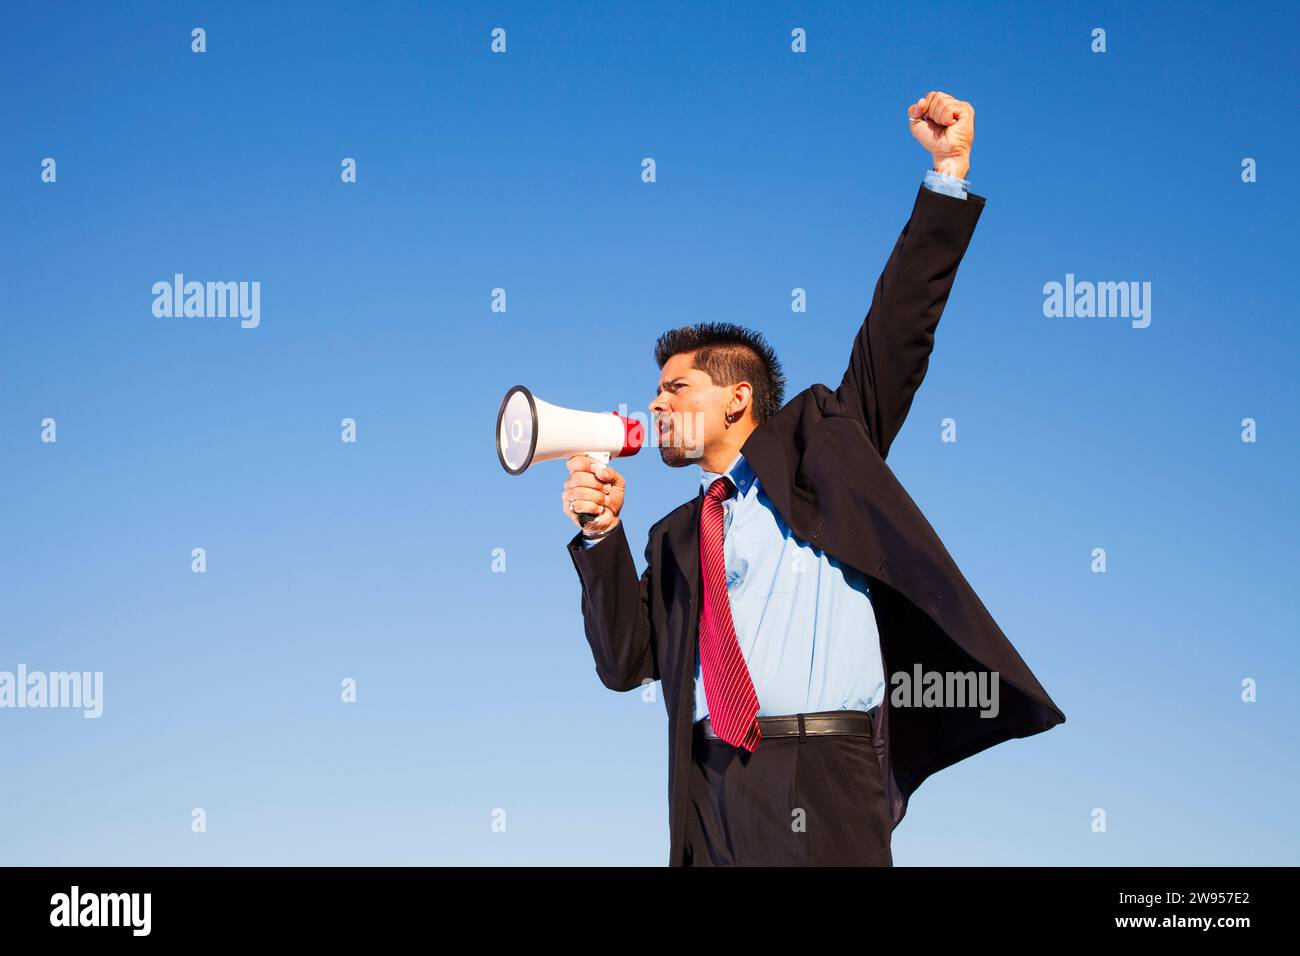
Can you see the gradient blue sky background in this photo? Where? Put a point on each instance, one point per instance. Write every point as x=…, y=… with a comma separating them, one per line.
x=477, y=690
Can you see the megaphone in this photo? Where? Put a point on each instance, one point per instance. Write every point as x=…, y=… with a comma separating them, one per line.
x=530, y=430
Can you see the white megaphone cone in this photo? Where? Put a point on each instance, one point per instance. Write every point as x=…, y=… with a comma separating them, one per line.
x=530, y=430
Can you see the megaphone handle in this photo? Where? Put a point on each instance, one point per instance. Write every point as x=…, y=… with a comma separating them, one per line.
x=603, y=458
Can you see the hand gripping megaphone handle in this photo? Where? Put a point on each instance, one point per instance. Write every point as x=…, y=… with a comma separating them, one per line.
x=602, y=457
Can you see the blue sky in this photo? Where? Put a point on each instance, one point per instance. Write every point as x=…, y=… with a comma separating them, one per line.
x=373, y=560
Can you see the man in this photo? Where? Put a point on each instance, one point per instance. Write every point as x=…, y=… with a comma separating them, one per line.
x=773, y=603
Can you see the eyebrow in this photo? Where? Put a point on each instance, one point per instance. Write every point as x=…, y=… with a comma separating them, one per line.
x=671, y=381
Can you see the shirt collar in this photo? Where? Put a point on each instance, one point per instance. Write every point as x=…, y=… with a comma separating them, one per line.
x=739, y=471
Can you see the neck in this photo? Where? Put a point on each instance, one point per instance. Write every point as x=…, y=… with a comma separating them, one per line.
x=725, y=450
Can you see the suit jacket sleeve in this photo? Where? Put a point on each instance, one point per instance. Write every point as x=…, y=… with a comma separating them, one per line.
x=892, y=349
x=616, y=610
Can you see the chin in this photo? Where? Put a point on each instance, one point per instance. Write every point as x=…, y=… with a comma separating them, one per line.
x=675, y=457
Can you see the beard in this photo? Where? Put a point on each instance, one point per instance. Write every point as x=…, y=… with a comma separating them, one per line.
x=683, y=444
x=675, y=457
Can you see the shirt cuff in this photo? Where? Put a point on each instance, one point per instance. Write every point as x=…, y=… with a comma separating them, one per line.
x=948, y=185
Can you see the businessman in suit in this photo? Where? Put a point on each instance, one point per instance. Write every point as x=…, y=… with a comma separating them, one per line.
x=819, y=649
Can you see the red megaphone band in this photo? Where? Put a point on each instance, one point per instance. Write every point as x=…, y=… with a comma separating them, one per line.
x=633, y=436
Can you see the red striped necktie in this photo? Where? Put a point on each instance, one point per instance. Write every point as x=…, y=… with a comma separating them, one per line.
x=733, y=704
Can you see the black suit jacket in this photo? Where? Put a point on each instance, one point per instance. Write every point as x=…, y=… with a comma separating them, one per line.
x=822, y=461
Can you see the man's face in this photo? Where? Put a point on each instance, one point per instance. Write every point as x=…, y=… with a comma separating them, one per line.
x=688, y=411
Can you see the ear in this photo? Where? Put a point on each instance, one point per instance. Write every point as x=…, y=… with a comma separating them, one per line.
x=742, y=397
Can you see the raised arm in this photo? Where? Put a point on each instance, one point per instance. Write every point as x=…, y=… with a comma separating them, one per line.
x=891, y=351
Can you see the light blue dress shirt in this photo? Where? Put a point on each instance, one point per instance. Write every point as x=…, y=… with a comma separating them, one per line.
x=804, y=620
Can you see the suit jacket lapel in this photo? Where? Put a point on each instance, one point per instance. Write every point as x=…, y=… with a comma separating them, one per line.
x=763, y=455
x=684, y=539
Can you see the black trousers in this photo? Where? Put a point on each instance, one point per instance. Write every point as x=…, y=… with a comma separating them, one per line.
x=813, y=801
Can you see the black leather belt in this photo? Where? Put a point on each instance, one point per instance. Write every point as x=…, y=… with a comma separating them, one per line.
x=857, y=722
